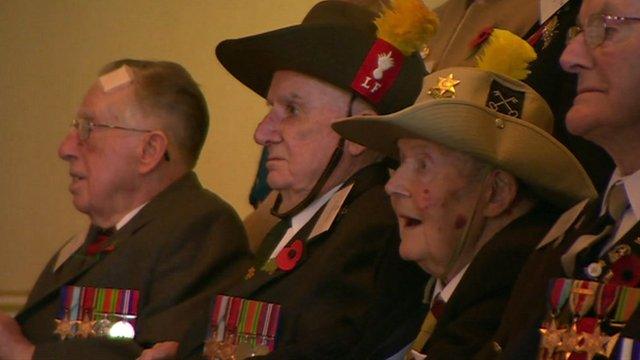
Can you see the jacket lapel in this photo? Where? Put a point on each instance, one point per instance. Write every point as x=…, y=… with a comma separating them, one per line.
x=78, y=263
x=354, y=187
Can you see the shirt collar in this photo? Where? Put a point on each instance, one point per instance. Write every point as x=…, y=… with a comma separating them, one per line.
x=129, y=216
x=303, y=217
x=631, y=184
x=445, y=291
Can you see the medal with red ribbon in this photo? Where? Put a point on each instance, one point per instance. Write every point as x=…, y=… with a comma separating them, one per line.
x=85, y=326
x=241, y=328
x=606, y=298
x=594, y=342
x=581, y=299
x=627, y=304
x=558, y=293
x=87, y=312
x=559, y=290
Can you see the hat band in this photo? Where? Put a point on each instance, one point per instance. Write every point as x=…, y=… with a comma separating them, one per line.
x=378, y=72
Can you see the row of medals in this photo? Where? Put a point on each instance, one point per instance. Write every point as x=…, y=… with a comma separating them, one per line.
x=87, y=327
x=246, y=346
x=559, y=343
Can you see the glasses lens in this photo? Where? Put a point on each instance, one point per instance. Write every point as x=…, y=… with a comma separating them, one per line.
x=572, y=33
x=595, y=30
x=84, y=128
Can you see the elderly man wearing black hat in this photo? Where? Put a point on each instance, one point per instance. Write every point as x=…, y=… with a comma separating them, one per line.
x=478, y=185
x=334, y=253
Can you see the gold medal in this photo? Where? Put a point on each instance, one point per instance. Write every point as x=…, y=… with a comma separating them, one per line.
x=595, y=344
x=445, y=89
x=64, y=328
x=220, y=350
x=571, y=340
x=551, y=338
x=85, y=328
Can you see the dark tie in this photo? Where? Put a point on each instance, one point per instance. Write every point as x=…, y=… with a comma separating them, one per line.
x=272, y=239
x=615, y=206
x=99, y=243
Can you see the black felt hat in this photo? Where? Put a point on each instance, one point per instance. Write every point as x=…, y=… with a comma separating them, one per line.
x=331, y=44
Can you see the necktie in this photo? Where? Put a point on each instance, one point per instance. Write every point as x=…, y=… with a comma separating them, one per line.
x=272, y=239
x=587, y=247
x=617, y=201
x=428, y=326
x=99, y=243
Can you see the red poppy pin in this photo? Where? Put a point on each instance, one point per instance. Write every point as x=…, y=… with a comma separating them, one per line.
x=481, y=38
x=98, y=246
x=626, y=271
x=289, y=257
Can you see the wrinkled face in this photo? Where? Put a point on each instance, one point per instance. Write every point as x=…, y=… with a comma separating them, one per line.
x=297, y=130
x=433, y=193
x=608, y=75
x=103, y=167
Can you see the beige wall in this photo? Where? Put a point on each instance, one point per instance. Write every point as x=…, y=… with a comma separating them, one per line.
x=50, y=53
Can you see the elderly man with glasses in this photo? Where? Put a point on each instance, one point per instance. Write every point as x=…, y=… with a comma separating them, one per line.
x=157, y=238
x=577, y=297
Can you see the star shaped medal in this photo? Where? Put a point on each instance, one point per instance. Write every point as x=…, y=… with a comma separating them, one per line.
x=445, y=88
x=85, y=328
x=595, y=343
x=63, y=328
x=551, y=338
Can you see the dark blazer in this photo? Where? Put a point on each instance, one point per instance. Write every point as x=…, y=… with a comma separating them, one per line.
x=327, y=299
x=519, y=334
x=183, y=243
x=473, y=311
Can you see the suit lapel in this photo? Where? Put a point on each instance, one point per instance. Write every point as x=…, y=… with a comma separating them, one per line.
x=78, y=263
x=262, y=278
x=565, y=221
x=354, y=187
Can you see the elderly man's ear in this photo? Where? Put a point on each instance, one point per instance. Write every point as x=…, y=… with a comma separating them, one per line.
x=501, y=193
x=356, y=149
x=152, y=151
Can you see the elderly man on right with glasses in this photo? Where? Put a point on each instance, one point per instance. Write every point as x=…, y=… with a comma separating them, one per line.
x=578, y=294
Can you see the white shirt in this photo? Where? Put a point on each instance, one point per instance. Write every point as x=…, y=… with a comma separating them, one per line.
x=630, y=216
x=447, y=290
x=300, y=219
x=129, y=216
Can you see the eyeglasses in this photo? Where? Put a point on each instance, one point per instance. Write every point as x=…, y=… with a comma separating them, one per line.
x=595, y=31
x=85, y=126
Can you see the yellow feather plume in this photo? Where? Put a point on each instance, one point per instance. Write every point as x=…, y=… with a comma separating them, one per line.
x=407, y=24
x=507, y=54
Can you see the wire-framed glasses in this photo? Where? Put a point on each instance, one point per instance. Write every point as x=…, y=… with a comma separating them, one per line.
x=595, y=30
x=86, y=126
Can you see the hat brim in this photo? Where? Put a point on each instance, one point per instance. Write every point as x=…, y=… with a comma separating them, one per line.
x=332, y=53
x=524, y=150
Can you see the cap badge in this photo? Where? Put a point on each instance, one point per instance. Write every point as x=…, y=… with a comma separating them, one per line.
x=385, y=62
x=445, y=89
x=505, y=100
x=378, y=72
